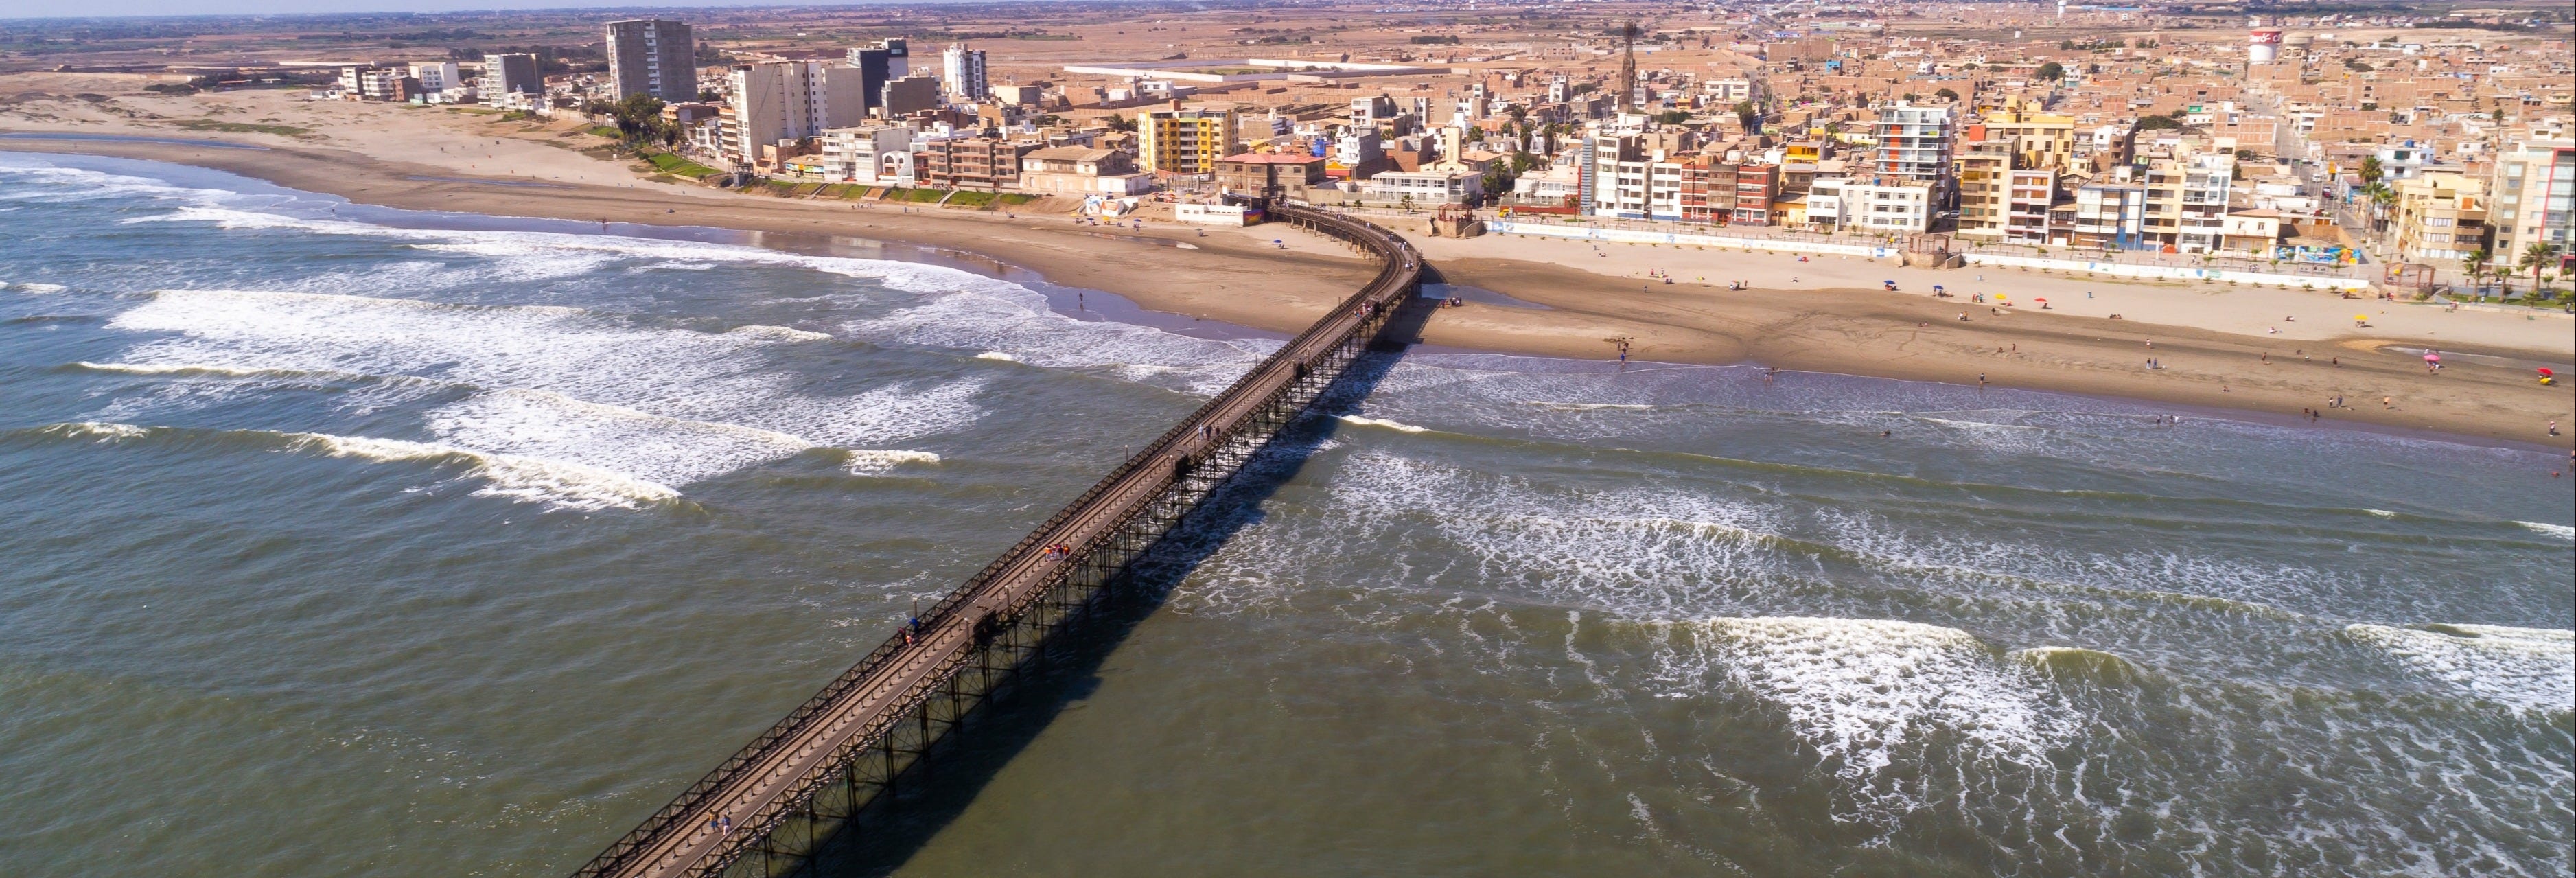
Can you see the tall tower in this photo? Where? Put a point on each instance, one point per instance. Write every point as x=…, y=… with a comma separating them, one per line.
x=652, y=57
x=1628, y=67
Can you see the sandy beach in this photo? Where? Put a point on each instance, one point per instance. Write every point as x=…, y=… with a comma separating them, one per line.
x=2270, y=351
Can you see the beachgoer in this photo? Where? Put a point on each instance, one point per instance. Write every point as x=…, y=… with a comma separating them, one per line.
x=2388, y=402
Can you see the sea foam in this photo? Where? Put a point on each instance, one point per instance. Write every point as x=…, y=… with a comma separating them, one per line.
x=1869, y=696
x=2530, y=669
x=518, y=477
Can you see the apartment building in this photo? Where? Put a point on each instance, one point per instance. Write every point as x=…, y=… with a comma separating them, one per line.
x=1182, y=141
x=1263, y=175
x=876, y=155
x=2108, y=216
x=983, y=164
x=2037, y=140
x=437, y=76
x=885, y=62
x=1082, y=170
x=515, y=73
x=1854, y=204
x=2186, y=208
x=1720, y=192
x=2441, y=217
x=651, y=56
x=1422, y=188
x=2534, y=199
x=780, y=101
x=1914, y=145
x=963, y=70
x=1984, y=168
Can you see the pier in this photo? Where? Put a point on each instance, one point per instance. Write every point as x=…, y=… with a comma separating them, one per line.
x=771, y=807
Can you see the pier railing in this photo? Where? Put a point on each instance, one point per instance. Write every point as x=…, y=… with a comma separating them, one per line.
x=769, y=808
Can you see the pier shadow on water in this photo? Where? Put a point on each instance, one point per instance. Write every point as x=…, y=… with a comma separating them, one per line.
x=946, y=781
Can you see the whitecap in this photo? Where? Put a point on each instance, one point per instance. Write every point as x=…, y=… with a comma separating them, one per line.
x=997, y=355
x=516, y=477
x=869, y=462
x=686, y=375
x=2526, y=668
x=1381, y=422
x=1869, y=694
x=2560, y=531
x=100, y=430
x=551, y=426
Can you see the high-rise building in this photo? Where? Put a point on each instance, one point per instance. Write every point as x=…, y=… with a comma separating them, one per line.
x=887, y=61
x=789, y=100
x=963, y=70
x=1914, y=147
x=650, y=56
x=2534, y=201
x=512, y=74
x=1185, y=141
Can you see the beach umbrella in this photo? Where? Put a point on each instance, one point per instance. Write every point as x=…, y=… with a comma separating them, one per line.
x=2544, y=373
x=2432, y=358
x=2041, y=301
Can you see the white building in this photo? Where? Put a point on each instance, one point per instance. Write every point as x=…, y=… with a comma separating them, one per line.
x=1853, y=204
x=436, y=75
x=790, y=100
x=2533, y=198
x=1729, y=91
x=1424, y=188
x=868, y=154
x=963, y=70
x=1914, y=144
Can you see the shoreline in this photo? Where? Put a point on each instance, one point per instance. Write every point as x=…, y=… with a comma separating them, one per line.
x=1241, y=277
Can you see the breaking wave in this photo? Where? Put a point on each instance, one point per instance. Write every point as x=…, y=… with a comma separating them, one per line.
x=517, y=477
x=1871, y=696
x=2531, y=669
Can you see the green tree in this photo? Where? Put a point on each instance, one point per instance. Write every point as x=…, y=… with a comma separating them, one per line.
x=2372, y=170
x=1946, y=94
x=2475, y=265
x=1672, y=117
x=2534, y=258
x=2052, y=71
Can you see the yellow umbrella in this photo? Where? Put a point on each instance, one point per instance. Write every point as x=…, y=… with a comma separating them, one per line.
x=2361, y=318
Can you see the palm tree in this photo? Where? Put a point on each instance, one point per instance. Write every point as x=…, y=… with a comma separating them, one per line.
x=2534, y=258
x=2474, y=265
x=2372, y=171
x=2381, y=198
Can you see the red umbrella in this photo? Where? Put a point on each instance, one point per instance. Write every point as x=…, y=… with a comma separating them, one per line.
x=2042, y=300
x=2546, y=373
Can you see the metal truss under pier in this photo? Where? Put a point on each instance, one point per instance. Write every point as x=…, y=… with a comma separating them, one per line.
x=767, y=810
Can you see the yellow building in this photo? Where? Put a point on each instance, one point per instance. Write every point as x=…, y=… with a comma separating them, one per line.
x=1185, y=141
x=2041, y=141
x=2441, y=216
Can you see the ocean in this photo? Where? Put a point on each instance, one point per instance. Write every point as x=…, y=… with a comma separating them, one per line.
x=352, y=541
